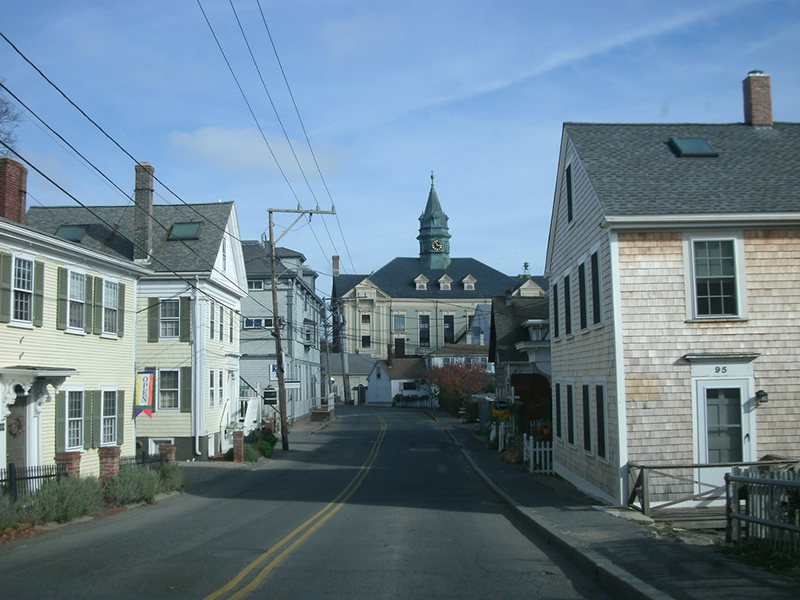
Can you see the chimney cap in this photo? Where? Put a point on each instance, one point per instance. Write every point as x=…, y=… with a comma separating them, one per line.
x=755, y=72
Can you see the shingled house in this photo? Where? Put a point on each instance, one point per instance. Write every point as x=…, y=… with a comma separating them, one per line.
x=673, y=260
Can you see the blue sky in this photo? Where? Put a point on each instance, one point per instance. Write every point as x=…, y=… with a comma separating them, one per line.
x=388, y=91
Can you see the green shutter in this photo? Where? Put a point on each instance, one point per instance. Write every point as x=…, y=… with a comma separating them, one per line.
x=153, y=318
x=120, y=310
x=62, y=299
x=92, y=409
x=6, y=262
x=98, y=305
x=121, y=420
x=61, y=421
x=186, y=390
x=186, y=320
x=88, y=303
x=38, y=294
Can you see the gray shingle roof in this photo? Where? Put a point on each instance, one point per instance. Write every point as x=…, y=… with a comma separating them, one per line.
x=633, y=171
x=396, y=278
x=110, y=230
x=257, y=261
x=507, y=329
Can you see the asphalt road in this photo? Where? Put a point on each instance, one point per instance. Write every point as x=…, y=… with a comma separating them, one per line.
x=379, y=504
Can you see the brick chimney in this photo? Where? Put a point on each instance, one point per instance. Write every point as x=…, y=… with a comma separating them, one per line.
x=757, y=99
x=13, y=190
x=335, y=261
x=143, y=212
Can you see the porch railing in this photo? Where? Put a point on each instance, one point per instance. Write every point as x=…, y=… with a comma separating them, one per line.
x=661, y=487
x=23, y=481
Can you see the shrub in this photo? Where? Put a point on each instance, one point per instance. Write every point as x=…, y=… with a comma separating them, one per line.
x=62, y=500
x=132, y=484
x=251, y=453
x=8, y=512
x=171, y=477
x=265, y=448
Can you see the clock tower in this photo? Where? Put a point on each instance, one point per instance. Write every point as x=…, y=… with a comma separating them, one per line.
x=434, y=235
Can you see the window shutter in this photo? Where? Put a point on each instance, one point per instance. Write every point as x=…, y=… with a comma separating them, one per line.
x=96, y=415
x=185, y=401
x=38, y=294
x=186, y=320
x=6, y=262
x=61, y=421
x=89, y=404
x=61, y=298
x=98, y=305
x=121, y=417
x=88, y=304
x=121, y=310
x=153, y=316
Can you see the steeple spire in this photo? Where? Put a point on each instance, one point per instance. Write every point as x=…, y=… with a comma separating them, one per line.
x=434, y=235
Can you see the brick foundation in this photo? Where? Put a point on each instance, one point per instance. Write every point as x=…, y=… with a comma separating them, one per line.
x=238, y=446
x=169, y=450
x=109, y=462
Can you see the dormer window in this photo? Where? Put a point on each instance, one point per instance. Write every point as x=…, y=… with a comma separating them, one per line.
x=184, y=231
x=445, y=283
x=421, y=283
x=469, y=283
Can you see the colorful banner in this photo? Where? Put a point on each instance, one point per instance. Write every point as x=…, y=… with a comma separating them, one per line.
x=145, y=384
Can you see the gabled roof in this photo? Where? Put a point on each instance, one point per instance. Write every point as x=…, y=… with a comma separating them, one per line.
x=396, y=279
x=257, y=261
x=357, y=364
x=110, y=231
x=405, y=368
x=508, y=316
x=634, y=170
x=459, y=350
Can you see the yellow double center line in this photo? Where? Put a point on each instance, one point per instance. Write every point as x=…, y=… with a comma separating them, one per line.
x=280, y=551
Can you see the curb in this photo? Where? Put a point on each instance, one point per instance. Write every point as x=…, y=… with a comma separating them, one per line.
x=611, y=578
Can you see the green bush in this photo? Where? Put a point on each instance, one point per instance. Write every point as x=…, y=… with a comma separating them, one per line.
x=8, y=512
x=62, y=500
x=171, y=477
x=132, y=484
x=251, y=453
x=265, y=447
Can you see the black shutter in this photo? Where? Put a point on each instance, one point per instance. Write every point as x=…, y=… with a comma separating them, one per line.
x=121, y=420
x=121, y=310
x=61, y=421
x=99, y=284
x=88, y=304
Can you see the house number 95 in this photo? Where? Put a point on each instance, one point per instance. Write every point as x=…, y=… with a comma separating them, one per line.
x=720, y=369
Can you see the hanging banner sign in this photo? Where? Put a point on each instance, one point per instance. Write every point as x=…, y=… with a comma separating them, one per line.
x=145, y=384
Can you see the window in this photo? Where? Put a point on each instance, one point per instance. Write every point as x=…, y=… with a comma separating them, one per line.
x=257, y=322
x=597, y=313
x=213, y=320
x=184, y=231
x=569, y=193
x=715, y=282
x=692, y=147
x=74, y=419
x=567, y=307
x=221, y=323
x=600, y=402
x=365, y=318
x=399, y=322
x=168, y=390
x=255, y=284
x=449, y=329
x=559, y=433
x=309, y=329
x=224, y=254
x=220, y=387
x=108, y=418
x=230, y=327
x=211, y=388
x=425, y=331
x=587, y=418
x=556, y=313
x=365, y=341
x=23, y=290
x=110, y=304
x=584, y=317
x=570, y=415
x=77, y=299
x=170, y=318
x=409, y=386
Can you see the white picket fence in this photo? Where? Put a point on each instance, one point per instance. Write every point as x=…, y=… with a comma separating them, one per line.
x=538, y=455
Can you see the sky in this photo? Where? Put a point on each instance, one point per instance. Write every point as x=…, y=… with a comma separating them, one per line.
x=352, y=104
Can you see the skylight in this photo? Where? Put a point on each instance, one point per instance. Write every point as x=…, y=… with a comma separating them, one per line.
x=689, y=147
x=184, y=231
x=72, y=233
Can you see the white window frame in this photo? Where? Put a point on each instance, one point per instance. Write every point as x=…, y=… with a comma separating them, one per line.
x=21, y=294
x=255, y=285
x=220, y=387
x=110, y=307
x=402, y=323
x=211, y=388
x=161, y=390
x=76, y=299
x=689, y=240
x=169, y=321
x=108, y=418
x=221, y=323
x=74, y=429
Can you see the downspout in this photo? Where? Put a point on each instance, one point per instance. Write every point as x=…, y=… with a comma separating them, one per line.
x=197, y=346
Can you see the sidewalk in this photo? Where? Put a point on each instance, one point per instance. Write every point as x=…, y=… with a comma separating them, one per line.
x=624, y=556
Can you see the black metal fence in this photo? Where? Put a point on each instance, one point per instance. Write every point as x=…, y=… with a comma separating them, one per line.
x=143, y=460
x=22, y=481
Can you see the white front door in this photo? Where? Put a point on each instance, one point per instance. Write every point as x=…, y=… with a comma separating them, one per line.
x=725, y=429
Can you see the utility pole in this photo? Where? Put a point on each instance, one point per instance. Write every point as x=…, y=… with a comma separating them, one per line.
x=276, y=320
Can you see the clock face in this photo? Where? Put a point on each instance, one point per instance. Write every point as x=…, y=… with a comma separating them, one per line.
x=437, y=244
